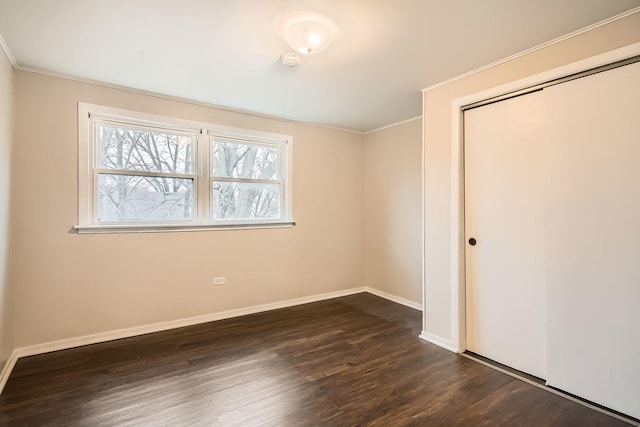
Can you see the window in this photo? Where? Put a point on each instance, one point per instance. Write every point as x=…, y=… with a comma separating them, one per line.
x=143, y=173
x=151, y=173
x=246, y=180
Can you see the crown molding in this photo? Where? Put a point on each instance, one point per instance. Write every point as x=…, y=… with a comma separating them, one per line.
x=536, y=48
x=177, y=98
x=392, y=125
x=8, y=52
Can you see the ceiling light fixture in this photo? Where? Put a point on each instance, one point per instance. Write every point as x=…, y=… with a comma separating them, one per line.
x=308, y=32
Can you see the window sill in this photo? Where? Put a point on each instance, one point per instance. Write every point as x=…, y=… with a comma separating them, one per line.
x=168, y=228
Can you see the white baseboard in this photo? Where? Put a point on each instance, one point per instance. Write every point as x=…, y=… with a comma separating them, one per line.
x=434, y=339
x=394, y=298
x=7, y=369
x=172, y=324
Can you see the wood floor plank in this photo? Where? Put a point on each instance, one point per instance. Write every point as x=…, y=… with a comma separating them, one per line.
x=349, y=361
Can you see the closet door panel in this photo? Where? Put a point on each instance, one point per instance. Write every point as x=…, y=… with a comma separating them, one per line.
x=504, y=210
x=593, y=238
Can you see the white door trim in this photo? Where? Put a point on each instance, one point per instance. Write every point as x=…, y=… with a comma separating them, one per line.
x=458, y=320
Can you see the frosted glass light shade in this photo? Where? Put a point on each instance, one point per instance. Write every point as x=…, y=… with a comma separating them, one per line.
x=308, y=32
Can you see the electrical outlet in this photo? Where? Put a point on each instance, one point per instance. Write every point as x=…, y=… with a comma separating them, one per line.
x=219, y=281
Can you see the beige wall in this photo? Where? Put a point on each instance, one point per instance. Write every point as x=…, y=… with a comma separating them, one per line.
x=393, y=209
x=437, y=144
x=69, y=285
x=6, y=290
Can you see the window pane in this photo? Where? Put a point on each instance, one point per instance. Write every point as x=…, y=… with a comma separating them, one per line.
x=144, y=198
x=244, y=200
x=235, y=160
x=127, y=148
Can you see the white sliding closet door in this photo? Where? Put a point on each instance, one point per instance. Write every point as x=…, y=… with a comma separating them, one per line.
x=504, y=208
x=593, y=238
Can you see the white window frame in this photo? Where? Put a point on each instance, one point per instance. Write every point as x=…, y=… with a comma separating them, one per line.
x=91, y=115
x=252, y=138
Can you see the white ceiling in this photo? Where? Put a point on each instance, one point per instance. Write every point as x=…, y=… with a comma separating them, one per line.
x=226, y=52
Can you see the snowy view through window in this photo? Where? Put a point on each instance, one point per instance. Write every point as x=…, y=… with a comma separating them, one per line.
x=151, y=177
x=147, y=174
x=245, y=180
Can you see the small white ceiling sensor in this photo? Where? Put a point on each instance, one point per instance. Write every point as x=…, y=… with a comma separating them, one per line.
x=291, y=59
x=308, y=32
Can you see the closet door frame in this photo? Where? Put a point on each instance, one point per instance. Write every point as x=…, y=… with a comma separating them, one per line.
x=457, y=232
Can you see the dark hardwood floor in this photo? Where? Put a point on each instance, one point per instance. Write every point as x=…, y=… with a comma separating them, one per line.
x=349, y=361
